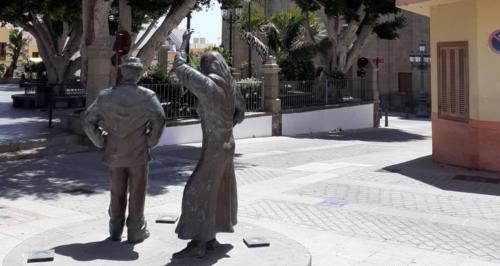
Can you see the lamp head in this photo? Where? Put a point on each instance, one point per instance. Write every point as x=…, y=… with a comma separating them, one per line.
x=422, y=46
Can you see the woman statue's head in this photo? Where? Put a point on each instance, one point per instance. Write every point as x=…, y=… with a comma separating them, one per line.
x=213, y=63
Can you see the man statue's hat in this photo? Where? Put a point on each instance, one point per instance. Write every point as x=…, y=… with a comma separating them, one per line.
x=132, y=62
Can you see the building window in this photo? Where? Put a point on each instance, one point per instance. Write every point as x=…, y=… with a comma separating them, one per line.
x=35, y=54
x=453, y=81
x=3, y=50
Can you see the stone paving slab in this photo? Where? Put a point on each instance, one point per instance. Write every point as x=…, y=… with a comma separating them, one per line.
x=84, y=243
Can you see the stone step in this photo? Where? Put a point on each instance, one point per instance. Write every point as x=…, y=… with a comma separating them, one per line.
x=39, y=152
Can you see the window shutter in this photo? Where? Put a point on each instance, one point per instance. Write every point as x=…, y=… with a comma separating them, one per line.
x=453, y=81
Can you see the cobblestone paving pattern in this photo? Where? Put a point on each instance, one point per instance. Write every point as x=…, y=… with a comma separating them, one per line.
x=292, y=159
x=394, y=229
x=405, y=200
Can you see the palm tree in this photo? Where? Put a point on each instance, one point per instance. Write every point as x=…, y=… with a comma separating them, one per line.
x=283, y=36
x=17, y=46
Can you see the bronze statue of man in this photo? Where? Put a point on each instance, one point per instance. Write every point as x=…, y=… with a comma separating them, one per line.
x=126, y=121
x=209, y=203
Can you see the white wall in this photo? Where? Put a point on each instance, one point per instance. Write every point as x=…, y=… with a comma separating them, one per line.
x=250, y=128
x=352, y=117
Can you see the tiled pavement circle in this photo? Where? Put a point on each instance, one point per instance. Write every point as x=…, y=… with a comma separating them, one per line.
x=367, y=197
x=84, y=243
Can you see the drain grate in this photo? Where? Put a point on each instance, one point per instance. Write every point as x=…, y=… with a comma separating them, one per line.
x=479, y=179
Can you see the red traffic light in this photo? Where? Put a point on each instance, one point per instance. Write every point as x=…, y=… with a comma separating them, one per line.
x=122, y=44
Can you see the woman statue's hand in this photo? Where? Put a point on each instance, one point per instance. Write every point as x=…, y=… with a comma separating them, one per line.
x=186, y=37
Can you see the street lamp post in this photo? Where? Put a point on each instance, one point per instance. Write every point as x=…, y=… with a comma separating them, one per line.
x=188, y=26
x=231, y=15
x=249, y=30
x=421, y=60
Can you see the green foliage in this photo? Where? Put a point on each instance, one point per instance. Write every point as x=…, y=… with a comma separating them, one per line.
x=3, y=68
x=337, y=75
x=224, y=52
x=257, y=19
x=17, y=50
x=375, y=9
x=32, y=68
x=18, y=43
x=282, y=36
x=195, y=61
x=389, y=29
x=296, y=68
x=14, y=11
x=249, y=80
x=156, y=74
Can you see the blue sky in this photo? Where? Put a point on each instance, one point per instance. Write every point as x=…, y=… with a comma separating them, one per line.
x=207, y=23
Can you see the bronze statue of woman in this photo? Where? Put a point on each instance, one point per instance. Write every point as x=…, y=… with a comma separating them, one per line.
x=209, y=203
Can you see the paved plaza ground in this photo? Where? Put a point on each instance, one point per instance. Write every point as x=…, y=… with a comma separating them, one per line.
x=22, y=124
x=365, y=197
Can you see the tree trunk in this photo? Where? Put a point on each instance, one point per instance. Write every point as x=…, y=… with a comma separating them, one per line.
x=174, y=17
x=95, y=14
x=13, y=65
x=125, y=16
x=56, y=58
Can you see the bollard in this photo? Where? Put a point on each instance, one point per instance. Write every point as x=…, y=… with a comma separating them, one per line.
x=51, y=105
x=386, y=117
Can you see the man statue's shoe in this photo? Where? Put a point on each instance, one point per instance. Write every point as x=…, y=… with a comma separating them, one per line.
x=116, y=231
x=136, y=238
x=115, y=238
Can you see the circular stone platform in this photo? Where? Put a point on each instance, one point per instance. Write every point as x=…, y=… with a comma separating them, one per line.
x=84, y=244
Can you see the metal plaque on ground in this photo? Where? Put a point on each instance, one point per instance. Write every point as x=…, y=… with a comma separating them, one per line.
x=40, y=256
x=254, y=242
x=167, y=219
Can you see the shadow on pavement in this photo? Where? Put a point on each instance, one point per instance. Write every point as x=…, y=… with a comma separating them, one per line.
x=85, y=174
x=11, y=87
x=11, y=112
x=448, y=178
x=102, y=250
x=78, y=174
x=211, y=258
x=372, y=135
x=30, y=130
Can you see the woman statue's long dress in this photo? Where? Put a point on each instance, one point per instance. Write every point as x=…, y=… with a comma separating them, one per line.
x=209, y=203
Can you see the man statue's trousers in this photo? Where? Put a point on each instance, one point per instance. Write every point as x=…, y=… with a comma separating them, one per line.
x=134, y=180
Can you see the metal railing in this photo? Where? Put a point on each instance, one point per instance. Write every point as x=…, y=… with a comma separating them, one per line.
x=295, y=94
x=298, y=94
x=30, y=88
x=253, y=92
x=68, y=89
x=180, y=103
x=73, y=89
x=347, y=91
x=177, y=102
